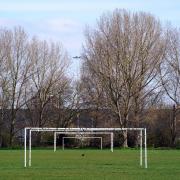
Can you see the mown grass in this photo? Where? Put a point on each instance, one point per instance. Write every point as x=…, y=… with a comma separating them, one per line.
x=95, y=164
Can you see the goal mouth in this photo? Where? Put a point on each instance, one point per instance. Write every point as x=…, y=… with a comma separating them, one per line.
x=82, y=136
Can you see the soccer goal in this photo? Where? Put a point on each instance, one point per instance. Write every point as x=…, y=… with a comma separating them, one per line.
x=80, y=135
x=28, y=131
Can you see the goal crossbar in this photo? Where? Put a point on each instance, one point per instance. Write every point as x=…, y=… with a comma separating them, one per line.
x=29, y=130
x=83, y=129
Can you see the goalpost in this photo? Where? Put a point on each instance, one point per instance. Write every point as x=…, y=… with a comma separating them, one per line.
x=80, y=134
x=37, y=129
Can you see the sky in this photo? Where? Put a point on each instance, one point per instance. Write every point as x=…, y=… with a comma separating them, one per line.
x=65, y=20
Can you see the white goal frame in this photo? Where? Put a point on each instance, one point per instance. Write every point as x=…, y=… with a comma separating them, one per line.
x=29, y=130
x=80, y=134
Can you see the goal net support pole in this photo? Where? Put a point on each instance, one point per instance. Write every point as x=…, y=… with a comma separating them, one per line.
x=25, y=131
x=140, y=147
x=63, y=130
x=112, y=141
x=145, y=148
x=55, y=139
x=30, y=148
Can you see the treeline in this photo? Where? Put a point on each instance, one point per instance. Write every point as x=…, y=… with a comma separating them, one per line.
x=130, y=68
x=32, y=73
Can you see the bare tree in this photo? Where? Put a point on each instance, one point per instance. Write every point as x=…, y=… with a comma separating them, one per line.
x=32, y=73
x=68, y=107
x=49, y=64
x=16, y=68
x=4, y=96
x=92, y=95
x=123, y=53
x=170, y=76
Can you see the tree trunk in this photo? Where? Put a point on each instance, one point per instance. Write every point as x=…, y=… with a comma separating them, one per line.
x=11, y=134
x=0, y=141
x=136, y=138
x=125, y=133
x=136, y=119
x=136, y=133
x=125, y=138
x=1, y=123
x=1, y=137
x=39, y=137
x=173, y=127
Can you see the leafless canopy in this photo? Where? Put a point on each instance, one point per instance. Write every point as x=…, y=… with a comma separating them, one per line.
x=122, y=54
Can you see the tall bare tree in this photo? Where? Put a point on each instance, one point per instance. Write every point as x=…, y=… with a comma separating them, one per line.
x=49, y=65
x=4, y=97
x=123, y=53
x=31, y=71
x=170, y=76
x=16, y=68
x=92, y=96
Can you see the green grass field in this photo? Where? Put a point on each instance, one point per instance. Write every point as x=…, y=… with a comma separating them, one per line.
x=96, y=164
